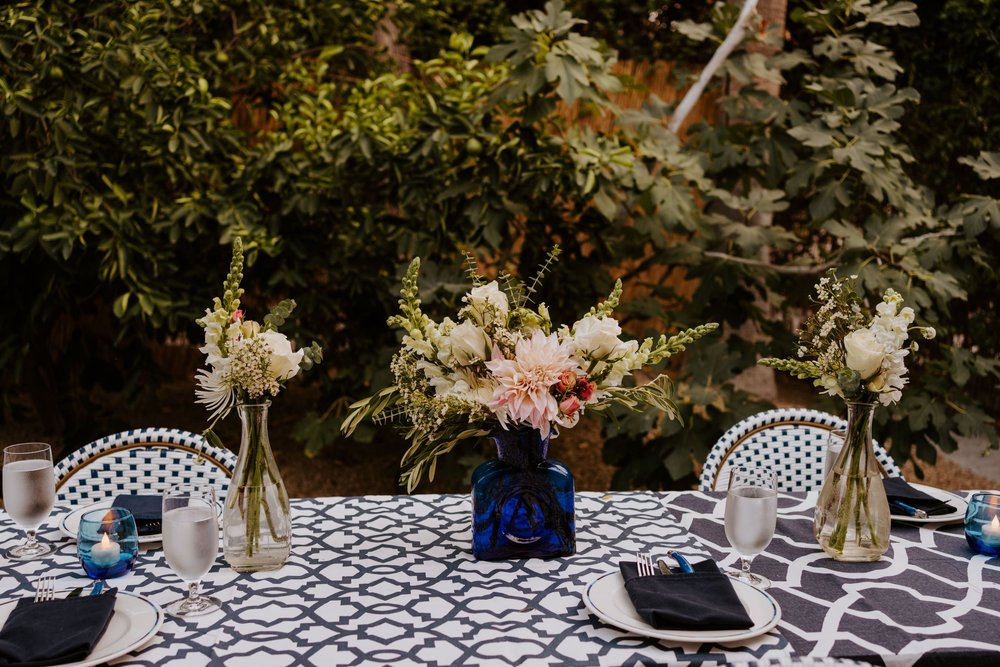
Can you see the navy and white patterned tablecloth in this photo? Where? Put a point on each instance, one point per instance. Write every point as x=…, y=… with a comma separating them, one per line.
x=930, y=600
x=391, y=580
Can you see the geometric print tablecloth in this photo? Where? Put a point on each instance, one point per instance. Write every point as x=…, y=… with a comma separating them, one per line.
x=391, y=580
x=930, y=600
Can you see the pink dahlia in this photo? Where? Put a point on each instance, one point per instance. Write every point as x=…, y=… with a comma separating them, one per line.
x=524, y=391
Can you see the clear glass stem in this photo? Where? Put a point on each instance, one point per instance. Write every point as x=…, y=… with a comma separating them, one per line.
x=32, y=542
x=193, y=591
x=746, y=563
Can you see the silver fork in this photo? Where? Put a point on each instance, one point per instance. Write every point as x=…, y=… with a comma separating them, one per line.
x=644, y=564
x=45, y=588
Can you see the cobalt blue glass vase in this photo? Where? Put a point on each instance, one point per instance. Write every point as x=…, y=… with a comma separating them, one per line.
x=522, y=502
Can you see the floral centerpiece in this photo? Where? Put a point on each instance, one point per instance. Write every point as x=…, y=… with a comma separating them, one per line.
x=502, y=368
x=859, y=356
x=247, y=364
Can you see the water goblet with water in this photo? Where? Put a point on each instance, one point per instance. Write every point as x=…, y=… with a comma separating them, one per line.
x=751, y=515
x=29, y=491
x=191, y=544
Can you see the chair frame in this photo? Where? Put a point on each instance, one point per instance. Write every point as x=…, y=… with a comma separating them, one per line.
x=158, y=438
x=829, y=423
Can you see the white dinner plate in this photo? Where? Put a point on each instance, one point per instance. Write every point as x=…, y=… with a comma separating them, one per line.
x=136, y=620
x=607, y=599
x=69, y=525
x=952, y=517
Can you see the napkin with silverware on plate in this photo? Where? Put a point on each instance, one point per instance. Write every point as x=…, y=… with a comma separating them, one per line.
x=57, y=631
x=703, y=599
x=906, y=500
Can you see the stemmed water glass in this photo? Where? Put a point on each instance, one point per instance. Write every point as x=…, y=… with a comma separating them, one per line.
x=191, y=544
x=29, y=491
x=751, y=515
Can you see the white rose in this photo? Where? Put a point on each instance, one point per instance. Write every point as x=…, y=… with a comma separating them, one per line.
x=284, y=363
x=468, y=343
x=596, y=337
x=487, y=303
x=864, y=352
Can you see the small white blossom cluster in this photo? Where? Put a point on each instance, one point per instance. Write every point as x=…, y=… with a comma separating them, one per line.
x=250, y=363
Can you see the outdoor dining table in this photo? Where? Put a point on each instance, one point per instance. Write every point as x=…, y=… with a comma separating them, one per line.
x=391, y=580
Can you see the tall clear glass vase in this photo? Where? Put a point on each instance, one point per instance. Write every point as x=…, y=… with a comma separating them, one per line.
x=852, y=518
x=257, y=518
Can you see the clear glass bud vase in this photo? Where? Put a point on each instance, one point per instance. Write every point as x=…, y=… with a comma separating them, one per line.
x=257, y=518
x=852, y=518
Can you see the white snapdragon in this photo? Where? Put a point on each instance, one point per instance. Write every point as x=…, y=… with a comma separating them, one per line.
x=627, y=359
x=417, y=341
x=830, y=385
x=215, y=323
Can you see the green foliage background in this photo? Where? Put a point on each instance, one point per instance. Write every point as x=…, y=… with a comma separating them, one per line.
x=137, y=139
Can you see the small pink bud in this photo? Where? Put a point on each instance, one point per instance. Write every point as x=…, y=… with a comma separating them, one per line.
x=237, y=315
x=585, y=390
x=567, y=380
x=569, y=405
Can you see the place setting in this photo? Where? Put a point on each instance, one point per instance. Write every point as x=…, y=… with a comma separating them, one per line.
x=89, y=624
x=688, y=600
x=918, y=503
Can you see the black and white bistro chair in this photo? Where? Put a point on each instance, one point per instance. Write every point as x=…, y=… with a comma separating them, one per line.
x=790, y=441
x=141, y=460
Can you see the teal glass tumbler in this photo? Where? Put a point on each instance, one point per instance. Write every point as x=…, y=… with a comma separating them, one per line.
x=107, y=543
x=982, y=523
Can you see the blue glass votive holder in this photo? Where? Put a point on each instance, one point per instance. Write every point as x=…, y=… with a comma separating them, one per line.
x=982, y=523
x=107, y=542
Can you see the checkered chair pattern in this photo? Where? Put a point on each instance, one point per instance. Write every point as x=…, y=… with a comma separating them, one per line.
x=792, y=442
x=141, y=460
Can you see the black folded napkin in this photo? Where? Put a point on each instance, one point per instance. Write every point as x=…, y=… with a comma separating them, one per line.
x=55, y=632
x=897, y=489
x=702, y=600
x=147, y=510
